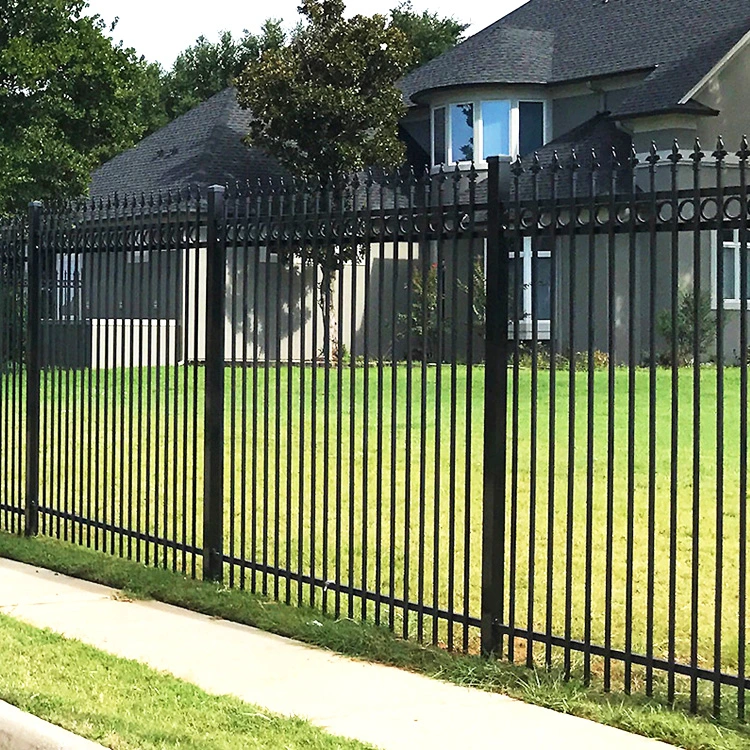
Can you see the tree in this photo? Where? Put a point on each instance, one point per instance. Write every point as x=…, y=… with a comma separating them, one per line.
x=327, y=104
x=206, y=68
x=428, y=33
x=69, y=99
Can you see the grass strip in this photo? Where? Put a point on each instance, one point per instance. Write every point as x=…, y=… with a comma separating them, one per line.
x=126, y=705
x=637, y=714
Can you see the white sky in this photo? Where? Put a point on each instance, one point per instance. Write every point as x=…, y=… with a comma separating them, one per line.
x=161, y=29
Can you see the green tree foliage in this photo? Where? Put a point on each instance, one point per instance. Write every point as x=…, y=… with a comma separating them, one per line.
x=429, y=34
x=206, y=68
x=69, y=99
x=327, y=102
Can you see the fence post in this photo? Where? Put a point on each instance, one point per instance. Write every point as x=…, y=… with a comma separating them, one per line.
x=213, y=455
x=33, y=377
x=495, y=421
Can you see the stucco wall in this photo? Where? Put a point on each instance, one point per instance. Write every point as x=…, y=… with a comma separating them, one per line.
x=728, y=92
x=692, y=252
x=573, y=111
x=370, y=298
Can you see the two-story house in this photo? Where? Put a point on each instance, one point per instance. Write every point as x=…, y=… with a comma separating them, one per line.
x=597, y=75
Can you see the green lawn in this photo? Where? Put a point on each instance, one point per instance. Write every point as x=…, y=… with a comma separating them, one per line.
x=126, y=705
x=302, y=508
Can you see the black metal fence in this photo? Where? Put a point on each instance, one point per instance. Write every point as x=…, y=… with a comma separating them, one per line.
x=501, y=409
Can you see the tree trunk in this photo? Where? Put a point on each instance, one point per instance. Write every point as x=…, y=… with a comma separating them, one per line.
x=330, y=350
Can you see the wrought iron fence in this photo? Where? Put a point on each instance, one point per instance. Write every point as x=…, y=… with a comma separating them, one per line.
x=501, y=410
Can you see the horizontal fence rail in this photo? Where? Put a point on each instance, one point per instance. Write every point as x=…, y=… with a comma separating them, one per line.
x=500, y=410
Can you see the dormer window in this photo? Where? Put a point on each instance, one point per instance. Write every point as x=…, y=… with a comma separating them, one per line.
x=476, y=130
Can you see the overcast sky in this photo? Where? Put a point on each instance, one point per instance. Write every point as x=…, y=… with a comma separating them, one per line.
x=161, y=29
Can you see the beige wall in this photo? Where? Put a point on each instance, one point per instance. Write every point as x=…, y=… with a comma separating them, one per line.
x=273, y=310
x=133, y=343
x=728, y=91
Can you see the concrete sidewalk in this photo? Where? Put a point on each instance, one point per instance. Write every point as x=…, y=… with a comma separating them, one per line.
x=387, y=707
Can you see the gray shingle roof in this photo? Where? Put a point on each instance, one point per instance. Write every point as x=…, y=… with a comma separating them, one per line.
x=201, y=148
x=555, y=41
x=598, y=135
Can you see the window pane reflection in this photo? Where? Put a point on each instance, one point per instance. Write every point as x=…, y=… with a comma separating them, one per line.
x=496, y=122
x=462, y=132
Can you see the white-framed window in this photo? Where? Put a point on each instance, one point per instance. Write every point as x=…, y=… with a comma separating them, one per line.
x=475, y=130
x=727, y=241
x=69, y=285
x=530, y=272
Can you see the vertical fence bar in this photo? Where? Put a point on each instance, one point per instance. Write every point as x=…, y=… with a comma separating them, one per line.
x=719, y=155
x=697, y=157
x=338, y=355
x=453, y=357
x=572, y=437
x=280, y=269
x=439, y=356
x=517, y=292
x=213, y=471
x=555, y=168
x=421, y=289
x=652, y=444
x=416, y=226
x=260, y=203
x=327, y=302
x=233, y=270
x=610, y=503
x=530, y=305
x=297, y=217
x=273, y=205
x=33, y=371
x=196, y=294
x=495, y=398
x=475, y=294
x=399, y=189
x=743, y=155
x=675, y=157
x=366, y=295
x=380, y=386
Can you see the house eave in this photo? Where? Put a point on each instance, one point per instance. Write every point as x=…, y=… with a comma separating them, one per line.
x=416, y=98
x=596, y=78
x=419, y=97
x=677, y=109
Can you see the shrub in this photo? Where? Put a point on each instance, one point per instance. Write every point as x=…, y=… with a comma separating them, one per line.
x=693, y=313
x=422, y=319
